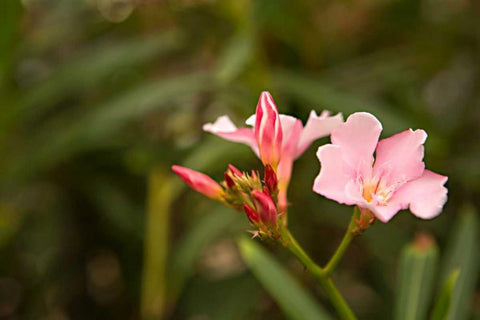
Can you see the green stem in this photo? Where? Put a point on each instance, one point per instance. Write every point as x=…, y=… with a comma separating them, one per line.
x=323, y=279
x=338, y=255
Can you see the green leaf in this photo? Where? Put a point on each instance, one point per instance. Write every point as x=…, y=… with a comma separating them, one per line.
x=442, y=306
x=462, y=253
x=295, y=302
x=418, y=264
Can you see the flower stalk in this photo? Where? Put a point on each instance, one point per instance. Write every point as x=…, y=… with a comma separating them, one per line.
x=323, y=279
x=352, y=231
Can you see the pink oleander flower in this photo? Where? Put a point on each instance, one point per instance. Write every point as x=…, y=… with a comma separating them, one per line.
x=200, y=182
x=396, y=179
x=277, y=139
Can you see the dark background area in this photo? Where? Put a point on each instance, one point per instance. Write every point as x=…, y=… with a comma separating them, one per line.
x=100, y=97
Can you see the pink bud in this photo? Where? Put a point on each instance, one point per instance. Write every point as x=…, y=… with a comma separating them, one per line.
x=199, y=182
x=265, y=206
x=270, y=179
x=268, y=130
x=235, y=171
x=251, y=214
x=229, y=180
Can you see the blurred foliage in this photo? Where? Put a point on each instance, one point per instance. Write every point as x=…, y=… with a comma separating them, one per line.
x=97, y=94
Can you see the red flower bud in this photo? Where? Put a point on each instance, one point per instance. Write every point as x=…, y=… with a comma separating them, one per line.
x=251, y=214
x=235, y=171
x=229, y=180
x=270, y=179
x=265, y=207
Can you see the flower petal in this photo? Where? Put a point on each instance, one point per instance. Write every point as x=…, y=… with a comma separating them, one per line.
x=251, y=120
x=224, y=128
x=399, y=158
x=317, y=127
x=358, y=138
x=334, y=177
x=426, y=195
x=292, y=128
x=385, y=213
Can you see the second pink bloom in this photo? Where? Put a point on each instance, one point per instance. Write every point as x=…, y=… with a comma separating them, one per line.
x=396, y=179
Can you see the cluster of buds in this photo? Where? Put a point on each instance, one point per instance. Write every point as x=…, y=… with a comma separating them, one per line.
x=243, y=191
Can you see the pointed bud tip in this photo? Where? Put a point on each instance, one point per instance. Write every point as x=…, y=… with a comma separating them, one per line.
x=234, y=170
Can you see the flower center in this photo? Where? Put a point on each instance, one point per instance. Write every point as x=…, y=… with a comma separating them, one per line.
x=377, y=191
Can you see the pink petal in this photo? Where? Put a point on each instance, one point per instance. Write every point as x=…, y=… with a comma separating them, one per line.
x=385, y=213
x=334, y=177
x=426, y=195
x=358, y=138
x=268, y=130
x=292, y=128
x=224, y=128
x=317, y=127
x=399, y=158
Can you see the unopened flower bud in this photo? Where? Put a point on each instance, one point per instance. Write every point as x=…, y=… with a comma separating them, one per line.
x=200, y=182
x=251, y=214
x=235, y=171
x=229, y=180
x=230, y=175
x=265, y=207
x=268, y=130
x=270, y=179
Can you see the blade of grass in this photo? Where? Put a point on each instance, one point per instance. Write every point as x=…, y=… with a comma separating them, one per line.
x=444, y=300
x=462, y=253
x=418, y=264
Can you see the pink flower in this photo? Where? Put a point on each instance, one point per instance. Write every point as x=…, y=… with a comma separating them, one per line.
x=395, y=180
x=200, y=182
x=275, y=141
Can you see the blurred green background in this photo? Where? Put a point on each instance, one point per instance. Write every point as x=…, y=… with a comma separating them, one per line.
x=100, y=97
